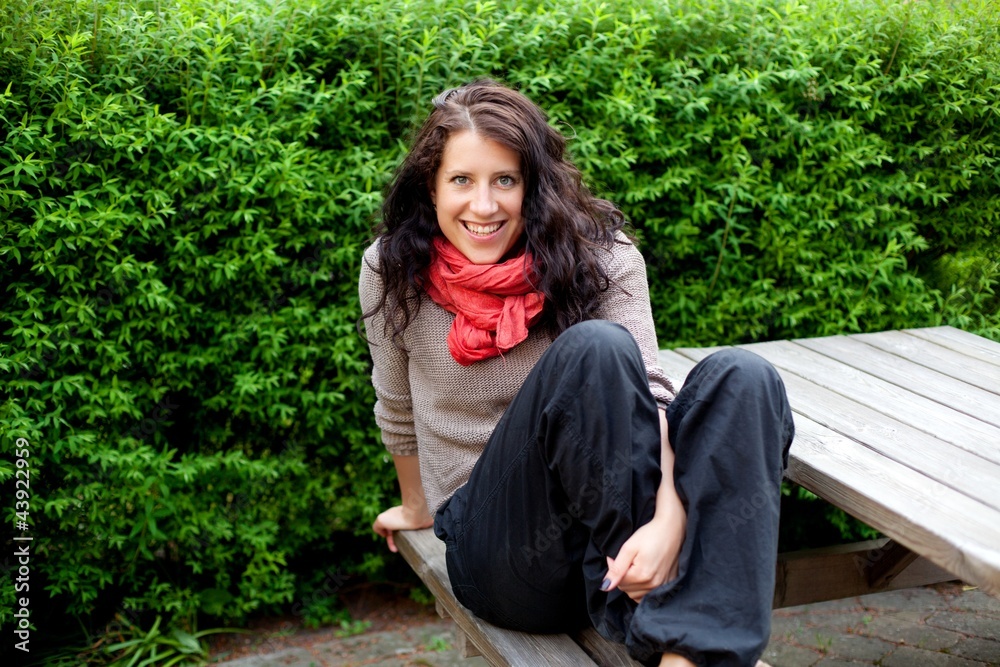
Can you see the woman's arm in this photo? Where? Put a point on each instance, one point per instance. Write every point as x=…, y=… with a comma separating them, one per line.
x=393, y=409
x=413, y=513
x=649, y=557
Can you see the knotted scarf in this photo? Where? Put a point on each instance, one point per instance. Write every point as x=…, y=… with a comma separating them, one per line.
x=494, y=304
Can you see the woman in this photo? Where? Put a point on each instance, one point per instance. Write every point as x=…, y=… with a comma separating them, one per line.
x=519, y=393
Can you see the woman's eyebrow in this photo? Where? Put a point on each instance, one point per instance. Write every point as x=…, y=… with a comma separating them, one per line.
x=499, y=172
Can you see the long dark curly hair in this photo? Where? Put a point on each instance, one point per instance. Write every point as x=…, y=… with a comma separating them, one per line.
x=564, y=224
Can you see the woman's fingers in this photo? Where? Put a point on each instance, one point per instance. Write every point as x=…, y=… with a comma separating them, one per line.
x=618, y=568
x=381, y=529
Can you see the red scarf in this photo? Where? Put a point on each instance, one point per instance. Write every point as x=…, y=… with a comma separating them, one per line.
x=494, y=304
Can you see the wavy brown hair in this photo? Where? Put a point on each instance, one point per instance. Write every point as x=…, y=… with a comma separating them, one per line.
x=564, y=225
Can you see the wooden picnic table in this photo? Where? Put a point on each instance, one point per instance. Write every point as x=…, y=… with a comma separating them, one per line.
x=900, y=429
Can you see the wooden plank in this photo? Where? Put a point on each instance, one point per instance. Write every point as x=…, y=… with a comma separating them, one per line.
x=888, y=496
x=894, y=440
x=815, y=575
x=932, y=355
x=465, y=647
x=956, y=532
x=974, y=436
x=676, y=366
x=499, y=646
x=921, y=380
x=893, y=559
x=603, y=652
x=952, y=530
x=969, y=344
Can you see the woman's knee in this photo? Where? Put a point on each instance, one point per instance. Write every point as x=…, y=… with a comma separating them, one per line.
x=758, y=386
x=600, y=335
x=595, y=355
x=743, y=367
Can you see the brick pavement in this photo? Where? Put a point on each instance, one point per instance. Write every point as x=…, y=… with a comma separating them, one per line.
x=939, y=626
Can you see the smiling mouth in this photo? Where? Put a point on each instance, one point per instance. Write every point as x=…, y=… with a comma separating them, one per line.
x=482, y=230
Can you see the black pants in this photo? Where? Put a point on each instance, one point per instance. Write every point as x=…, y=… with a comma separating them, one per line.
x=572, y=470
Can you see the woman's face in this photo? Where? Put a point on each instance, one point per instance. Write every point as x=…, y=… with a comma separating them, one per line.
x=477, y=192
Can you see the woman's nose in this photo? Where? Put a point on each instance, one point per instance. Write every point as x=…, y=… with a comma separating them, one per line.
x=484, y=204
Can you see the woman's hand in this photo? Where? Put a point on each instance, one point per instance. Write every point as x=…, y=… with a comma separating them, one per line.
x=400, y=518
x=649, y=558
x=413, y=513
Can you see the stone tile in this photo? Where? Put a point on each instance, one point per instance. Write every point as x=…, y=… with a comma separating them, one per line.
x=415, y=646
x=846, y=604
x=966, y=622
x=977, y=601
x=781, y=654
x=786, y=626
x=292, y=657
x=897, y=629
x=837, y=662
x=910, y=616
x=444, y=659
x=362, y=648
x=809, y=636
x=978, y=648
x=818, y=630
x=907, y=656
x=907, y=598
x=858, y=648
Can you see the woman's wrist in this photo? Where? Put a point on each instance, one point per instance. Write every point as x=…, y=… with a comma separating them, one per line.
x=418, y=516
x=669, y=508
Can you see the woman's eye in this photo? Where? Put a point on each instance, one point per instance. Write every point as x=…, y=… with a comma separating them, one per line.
x=506, y=181
x=461, y=180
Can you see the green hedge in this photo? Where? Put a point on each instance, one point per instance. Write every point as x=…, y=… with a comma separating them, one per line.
x=186, y=187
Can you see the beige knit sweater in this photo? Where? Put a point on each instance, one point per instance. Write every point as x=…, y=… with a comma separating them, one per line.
x=429, y=405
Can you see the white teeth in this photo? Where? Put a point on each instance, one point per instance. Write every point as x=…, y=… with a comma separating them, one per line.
x=483, y=230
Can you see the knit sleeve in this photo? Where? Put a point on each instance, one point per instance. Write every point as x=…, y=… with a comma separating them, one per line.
x=390, y=366
x=627, y=303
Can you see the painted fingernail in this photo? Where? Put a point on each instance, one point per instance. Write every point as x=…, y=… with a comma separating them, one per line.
x=606, y=584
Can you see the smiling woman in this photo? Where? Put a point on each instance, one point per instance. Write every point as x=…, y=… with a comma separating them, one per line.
x=518, y=390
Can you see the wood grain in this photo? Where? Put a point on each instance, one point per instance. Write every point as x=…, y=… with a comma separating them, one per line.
x=968, y=344
x=499, y=646
x=936, y=356
x=855, y=382
x=935, y=385
x=815, y=575
x=937, y=499
x=895, y=440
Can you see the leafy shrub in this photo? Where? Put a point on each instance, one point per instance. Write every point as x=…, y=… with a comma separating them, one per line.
x=185, y=204
x=187, y=186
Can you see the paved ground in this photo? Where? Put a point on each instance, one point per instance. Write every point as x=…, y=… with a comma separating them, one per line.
x=944, y=625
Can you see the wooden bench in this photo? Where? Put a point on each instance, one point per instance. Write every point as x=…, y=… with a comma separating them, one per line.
x=901, y=429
